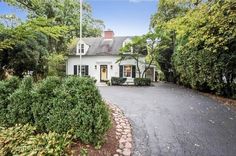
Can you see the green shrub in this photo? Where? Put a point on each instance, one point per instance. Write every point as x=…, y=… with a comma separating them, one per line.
x=22, y=140
x=117, y=80
x=7, y=87
x=79, y=107
x=43, y=96
x=73, y=104
x=142, y=81
x=20, y=102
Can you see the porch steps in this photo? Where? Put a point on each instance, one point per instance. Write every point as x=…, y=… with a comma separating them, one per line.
x=101, y=84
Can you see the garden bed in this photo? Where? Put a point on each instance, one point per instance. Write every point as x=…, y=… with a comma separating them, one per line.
x=118, y=140
x=107, y=149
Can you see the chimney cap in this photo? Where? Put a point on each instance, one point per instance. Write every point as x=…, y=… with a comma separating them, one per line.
x=108, y=34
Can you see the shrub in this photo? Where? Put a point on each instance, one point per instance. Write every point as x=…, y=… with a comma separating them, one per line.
x=79, y=107
x=142, y=81
x=73, y=104
x=21, y=140
x=20, y=102
x=7, y=87
x=43, y=96
x=117, y=80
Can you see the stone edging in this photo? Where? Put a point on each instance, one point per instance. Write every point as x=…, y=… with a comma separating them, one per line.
x=123, y=132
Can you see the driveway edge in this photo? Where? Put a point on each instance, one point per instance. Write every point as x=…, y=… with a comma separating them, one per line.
x=123, y=131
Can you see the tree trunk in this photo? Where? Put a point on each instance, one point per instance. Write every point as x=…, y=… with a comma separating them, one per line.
x=148, y=67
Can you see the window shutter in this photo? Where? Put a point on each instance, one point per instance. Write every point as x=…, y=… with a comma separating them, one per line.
x=133, y=71
x=121, y=71
x=86, y=70
x=75, y=70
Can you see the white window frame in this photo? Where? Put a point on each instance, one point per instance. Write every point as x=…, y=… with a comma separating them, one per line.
x=82, y=50
x=126, y=72
x=83, y=70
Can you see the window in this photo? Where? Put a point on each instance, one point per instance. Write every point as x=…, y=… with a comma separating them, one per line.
x=82, y=48
x=127, y=71
x=84, y=70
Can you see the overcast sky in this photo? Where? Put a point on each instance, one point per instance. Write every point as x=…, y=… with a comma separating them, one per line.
x=124, y=17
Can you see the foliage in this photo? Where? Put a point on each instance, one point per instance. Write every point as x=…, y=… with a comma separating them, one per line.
x=83, y=152
x=209, y=51
x=135, y=49
x=56, y=65
x=7, y=87
x=117, y=80
x=78, y=106
x=142, y=82
x=138, y=48
x=169, y=10
x=20, y=102
x=63, y=13
x=72, y=104
x=26, y=46
x=22, y=140
x=202, y=54
x=39, y=43
x=42, y=100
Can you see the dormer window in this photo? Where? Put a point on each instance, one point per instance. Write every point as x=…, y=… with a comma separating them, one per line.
x=82, y=49
x=125, y=43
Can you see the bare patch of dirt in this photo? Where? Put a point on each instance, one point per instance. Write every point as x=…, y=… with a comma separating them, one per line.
x=226, y=101
x=107, y=149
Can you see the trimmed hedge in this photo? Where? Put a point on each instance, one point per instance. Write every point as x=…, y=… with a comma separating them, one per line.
x=142, y=81
x=7, y=87
x=117, y=80
x=79, y=106
x=20, y=102
x=43, y=97
x=73, y=104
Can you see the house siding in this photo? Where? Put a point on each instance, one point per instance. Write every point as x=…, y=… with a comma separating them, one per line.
x=91, y=61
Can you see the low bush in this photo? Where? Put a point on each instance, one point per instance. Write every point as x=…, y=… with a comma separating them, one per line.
x=22, y=140
x=142, y=81
x=79, y=107
x=73, y=104
x=7, y=87
x=43, y=97
x=20, y=103
x=117, y=80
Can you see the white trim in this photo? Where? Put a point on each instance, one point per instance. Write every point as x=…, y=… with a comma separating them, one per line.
x=131, y=74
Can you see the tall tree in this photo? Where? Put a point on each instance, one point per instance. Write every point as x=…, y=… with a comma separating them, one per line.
x=167, y=11
x=62, y=13
x=23, y=48
x=202, y=49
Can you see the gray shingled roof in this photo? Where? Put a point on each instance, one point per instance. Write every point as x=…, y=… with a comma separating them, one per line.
x=102, y=47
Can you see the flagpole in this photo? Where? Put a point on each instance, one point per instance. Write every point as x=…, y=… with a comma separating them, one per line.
x=80, y=38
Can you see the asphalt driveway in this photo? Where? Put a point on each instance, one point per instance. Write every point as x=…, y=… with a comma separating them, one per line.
x=169, y=120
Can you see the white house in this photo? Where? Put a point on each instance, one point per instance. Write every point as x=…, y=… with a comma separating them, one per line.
x=99, y=59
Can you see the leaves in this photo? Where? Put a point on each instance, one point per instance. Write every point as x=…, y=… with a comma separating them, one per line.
x=22, y=140
x=203, y=49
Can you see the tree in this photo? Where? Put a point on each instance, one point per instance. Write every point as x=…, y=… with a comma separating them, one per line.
x=62, y=13
x=135, y=49
x=167, y=11
x=139, y=47
x=56, y=22
x=201, y=49
x=206, y=56
x=24, y=48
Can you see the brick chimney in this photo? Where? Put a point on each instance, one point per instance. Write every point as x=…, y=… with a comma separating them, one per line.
x=108, y=34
